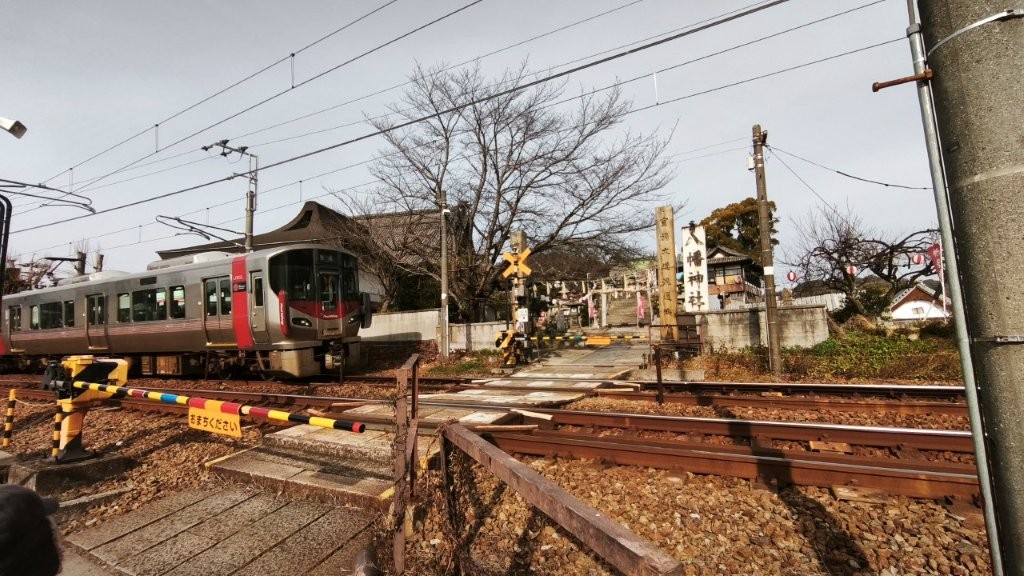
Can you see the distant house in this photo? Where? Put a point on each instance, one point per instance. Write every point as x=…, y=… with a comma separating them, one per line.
x=734, y=278
x=919, y=302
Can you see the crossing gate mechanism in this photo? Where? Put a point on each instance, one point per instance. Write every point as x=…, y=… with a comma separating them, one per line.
x=73, y=403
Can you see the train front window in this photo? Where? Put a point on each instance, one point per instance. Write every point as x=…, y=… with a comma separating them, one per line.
x=329, y=291
x=292, y=272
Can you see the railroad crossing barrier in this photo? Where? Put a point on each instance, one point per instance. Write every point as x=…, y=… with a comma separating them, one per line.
x=76, y=394
x=603, y=340
x=9, y=420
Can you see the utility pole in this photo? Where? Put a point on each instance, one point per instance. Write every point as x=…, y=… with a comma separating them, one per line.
x=250, y=197
x=764, y=225
x=974, y=49
x=444, y=343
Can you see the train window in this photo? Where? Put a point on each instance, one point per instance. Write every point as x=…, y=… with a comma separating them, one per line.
x=124, y=308
x=177, y=301
x=329, y=291
x=51, y=315
x=292, y=272
x=97, y=310
x=211, y=297
x=327, y=257
x=14, y=318
x=349, y=289
x=69, y=313
x=257, y=291
x=33, y=318
x=225, y=296
x=149, y=305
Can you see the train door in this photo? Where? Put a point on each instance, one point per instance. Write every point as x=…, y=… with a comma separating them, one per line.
x=257, y=310
x=96, y=322
x=14, y=327
x=217, y=316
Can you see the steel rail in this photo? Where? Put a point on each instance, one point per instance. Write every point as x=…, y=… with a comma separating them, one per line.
x=805, y=471
x=905, y=407
x=888, y=437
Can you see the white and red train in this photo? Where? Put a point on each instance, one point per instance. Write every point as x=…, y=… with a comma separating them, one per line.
x=292, y=311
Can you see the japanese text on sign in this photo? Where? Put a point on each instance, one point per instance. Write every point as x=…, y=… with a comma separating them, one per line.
x=215, y=421
x=695, y=268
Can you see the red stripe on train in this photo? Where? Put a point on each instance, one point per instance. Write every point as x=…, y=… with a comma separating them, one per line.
x=240, y=304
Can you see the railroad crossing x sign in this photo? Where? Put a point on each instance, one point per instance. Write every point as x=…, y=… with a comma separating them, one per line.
x=517, y=264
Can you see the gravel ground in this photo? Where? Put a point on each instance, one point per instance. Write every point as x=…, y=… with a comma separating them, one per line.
x=712, y=525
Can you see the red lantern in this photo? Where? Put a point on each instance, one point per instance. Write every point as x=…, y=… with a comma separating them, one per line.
x=851, y=270
x=917, y=259
x=791, y=276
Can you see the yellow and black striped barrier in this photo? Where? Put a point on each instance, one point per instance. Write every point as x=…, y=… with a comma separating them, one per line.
x=591, y=340
x=9, y=420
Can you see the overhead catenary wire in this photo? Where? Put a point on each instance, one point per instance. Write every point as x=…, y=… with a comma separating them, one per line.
x=616, y=84
x=227, y=88
x=89, y=181
x=456, y=108
x=578, y=22
x=294, y=87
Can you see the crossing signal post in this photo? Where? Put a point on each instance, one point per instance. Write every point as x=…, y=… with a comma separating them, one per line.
x=515, y=342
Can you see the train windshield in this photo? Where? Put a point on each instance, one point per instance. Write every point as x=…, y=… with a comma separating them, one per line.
x=312, y=274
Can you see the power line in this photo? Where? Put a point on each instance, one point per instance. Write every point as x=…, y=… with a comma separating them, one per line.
x=841, y=173
x=595, y=91
x=303, y=83
x=813, y=191
x=769, y=74
x=482, y=99
x=452, y=67
x=550, y=32
x=229, y=87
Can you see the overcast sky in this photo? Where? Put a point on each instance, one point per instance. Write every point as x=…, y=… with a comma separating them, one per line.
x=84, y=76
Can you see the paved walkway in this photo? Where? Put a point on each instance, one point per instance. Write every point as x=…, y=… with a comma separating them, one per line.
x=234, y=531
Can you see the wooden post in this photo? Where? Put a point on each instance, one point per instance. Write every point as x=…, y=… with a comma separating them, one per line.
x=404, y=452
x=657, y=370
x=628, y=552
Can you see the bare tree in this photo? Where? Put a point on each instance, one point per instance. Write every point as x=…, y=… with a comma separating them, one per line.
x=506, y=161
x=830, y=242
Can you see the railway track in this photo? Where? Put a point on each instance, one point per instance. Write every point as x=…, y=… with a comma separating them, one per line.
x=757, y=459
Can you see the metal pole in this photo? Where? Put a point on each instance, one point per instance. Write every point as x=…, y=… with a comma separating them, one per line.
x=931, y=138
x=250, y=200
x=444, y=344
x=765, y=227
x=975, y=53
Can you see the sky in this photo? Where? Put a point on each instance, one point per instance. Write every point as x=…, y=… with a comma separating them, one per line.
x=92, y=80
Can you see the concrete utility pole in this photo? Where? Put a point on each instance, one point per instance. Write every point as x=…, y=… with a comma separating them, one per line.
x=445, y=336
x=764, y=224
x=250, y=197
x=976, y=49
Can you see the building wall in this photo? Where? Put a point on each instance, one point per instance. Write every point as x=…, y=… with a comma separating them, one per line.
x=919, y=310
x=402, y=326
x=722, y=329
x=421, y=325
x=802, y=326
